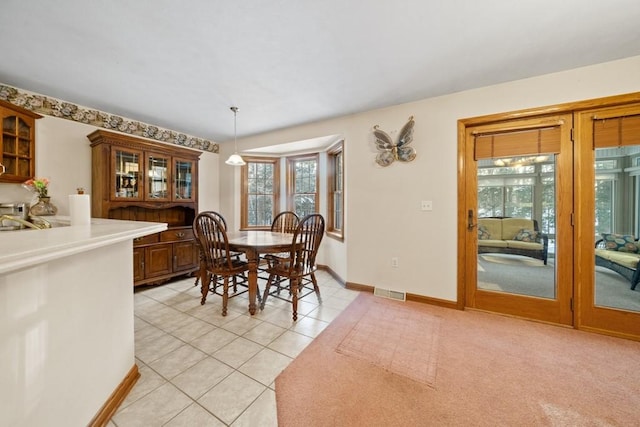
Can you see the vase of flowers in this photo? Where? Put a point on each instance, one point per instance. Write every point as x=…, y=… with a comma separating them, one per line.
x=44, y=207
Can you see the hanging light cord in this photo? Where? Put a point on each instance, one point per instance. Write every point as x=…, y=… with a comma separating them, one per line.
x=235, y=129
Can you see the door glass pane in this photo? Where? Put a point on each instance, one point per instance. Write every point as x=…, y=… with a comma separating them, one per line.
x=127, y=174
x=617, y=226
x=24, y=130
x=9, y=125
x=183, y=180
x=516, y=226
x=158, y=168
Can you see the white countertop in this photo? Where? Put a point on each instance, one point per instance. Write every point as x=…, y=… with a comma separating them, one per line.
x=23, y=248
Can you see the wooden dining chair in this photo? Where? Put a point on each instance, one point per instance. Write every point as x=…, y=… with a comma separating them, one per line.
x=237, y=255
x=285, y=222
x=216, y=260
x=298, y=265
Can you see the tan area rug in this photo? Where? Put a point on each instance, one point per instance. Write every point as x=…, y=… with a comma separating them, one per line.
x=491, y=371
x=394, y=338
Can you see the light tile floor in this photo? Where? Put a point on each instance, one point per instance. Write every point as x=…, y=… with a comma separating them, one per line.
x=199, y=368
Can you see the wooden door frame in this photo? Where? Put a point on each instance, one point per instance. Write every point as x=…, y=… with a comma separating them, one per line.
x=579, y=171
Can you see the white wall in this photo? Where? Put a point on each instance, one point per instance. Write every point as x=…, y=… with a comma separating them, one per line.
x=383, y=216
x=63, y=154
x=208, y=186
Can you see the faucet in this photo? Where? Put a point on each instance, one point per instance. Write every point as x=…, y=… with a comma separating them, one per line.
x=42, y=223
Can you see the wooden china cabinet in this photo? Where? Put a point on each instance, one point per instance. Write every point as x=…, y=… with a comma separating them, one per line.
x=141, y=180
x=17, y=143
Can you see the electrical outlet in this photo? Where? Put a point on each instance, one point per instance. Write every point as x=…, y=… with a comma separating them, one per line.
x=394, y=262
x=426, y=205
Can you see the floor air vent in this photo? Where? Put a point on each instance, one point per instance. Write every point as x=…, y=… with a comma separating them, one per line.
x=387, y=293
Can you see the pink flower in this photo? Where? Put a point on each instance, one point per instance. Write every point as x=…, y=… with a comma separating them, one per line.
x=37, y=185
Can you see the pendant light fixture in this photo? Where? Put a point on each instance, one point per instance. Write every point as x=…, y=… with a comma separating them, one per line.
x=235, y=159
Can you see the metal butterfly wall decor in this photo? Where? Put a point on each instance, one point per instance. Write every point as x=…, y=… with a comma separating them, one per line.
x=389, y=152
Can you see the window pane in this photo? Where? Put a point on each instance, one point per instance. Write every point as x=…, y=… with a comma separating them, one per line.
x=338, y=172
x=604, y=206
x=519, y=201
x=260, y=194
x=304, y=186
x=337, y=215
x=335, y=196
x=490, y=202
x=304, y=205
x=548, y=208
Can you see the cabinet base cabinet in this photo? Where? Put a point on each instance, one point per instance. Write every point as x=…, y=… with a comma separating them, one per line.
x=185, y=256
x=162, y=256
x=158, y=260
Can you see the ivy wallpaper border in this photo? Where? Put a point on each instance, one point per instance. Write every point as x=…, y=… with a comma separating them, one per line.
x=54, y=107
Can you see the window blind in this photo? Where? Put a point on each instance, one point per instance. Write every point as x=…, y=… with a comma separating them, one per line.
x=517, y=143
x=616, y=131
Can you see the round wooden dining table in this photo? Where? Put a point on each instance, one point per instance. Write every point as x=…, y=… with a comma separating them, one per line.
x=253, y=243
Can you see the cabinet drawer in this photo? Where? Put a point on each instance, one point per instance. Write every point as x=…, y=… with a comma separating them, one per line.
x=144, y=240
x=176, y=235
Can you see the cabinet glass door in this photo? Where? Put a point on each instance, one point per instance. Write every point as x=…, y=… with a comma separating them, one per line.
x=183, y=179
x=17, y=147
x=157, y=177
x=128, y=168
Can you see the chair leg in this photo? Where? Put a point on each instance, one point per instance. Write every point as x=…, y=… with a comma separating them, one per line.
x=294, y=298
x=258, y=294
x=204, y=288
x=225, y=295
x=316, y=288
x=213, y=284
x=266, y=291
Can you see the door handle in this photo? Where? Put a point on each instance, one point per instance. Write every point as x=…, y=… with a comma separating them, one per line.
x=470, y=224
x=3, y=169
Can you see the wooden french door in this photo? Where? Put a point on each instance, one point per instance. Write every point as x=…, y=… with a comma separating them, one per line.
x=511, y=157
x=608, y=176
x=589, y=181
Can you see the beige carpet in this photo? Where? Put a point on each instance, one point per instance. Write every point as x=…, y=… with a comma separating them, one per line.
x=491, y=371
x=400, y=340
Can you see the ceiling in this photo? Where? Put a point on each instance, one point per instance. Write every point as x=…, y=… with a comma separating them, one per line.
x=182, y=64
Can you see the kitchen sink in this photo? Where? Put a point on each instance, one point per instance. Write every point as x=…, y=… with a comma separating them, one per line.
x=14, y=223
